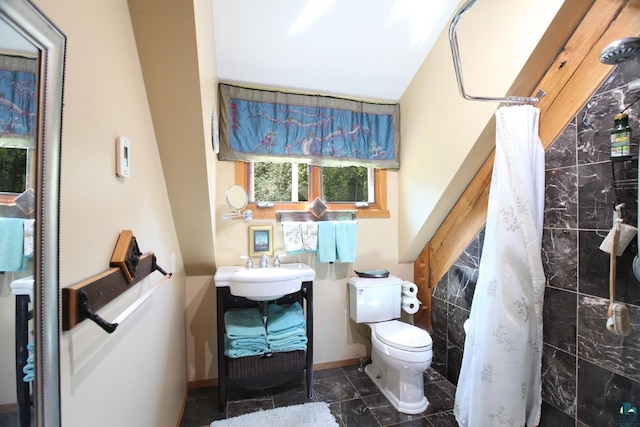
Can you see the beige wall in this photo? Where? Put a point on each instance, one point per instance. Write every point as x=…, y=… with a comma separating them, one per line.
x=440, y=128
x=136, y=375
x=176, y=47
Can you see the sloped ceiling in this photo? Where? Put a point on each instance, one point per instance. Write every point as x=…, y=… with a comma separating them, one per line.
x=358, y=48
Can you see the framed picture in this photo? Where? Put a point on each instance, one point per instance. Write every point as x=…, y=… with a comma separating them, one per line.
x=260, y=240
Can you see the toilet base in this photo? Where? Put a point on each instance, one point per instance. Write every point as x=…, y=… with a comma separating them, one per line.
x=417, y=406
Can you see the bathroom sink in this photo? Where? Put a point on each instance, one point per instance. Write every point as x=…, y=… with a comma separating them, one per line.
x=264, y=284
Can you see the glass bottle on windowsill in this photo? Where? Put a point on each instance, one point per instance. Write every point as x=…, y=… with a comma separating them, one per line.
x=621, y=138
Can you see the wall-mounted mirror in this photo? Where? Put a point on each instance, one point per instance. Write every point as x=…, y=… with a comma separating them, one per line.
x=237, y=200
x=31, y=61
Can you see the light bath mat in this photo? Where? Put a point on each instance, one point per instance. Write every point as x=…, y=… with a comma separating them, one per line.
x=315, y=414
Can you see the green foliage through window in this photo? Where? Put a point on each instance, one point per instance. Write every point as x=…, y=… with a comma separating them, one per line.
x=347, y=184
x=273, y=182
x=13, y=170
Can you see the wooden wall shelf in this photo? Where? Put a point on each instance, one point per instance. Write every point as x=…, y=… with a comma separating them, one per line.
x=82, y=300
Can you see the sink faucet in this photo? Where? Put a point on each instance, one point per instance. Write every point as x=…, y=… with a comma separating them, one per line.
x=264, y=261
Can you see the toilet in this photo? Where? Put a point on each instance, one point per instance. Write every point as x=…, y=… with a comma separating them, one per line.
x=400, y=352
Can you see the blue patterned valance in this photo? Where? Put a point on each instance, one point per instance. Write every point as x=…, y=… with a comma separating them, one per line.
x=271, y=126
x=18, y=100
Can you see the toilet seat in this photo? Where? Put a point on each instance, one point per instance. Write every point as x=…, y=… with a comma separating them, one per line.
x=402, y=336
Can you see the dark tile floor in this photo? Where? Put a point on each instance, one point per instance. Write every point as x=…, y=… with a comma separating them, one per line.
x=8, y=419
x=352, y=397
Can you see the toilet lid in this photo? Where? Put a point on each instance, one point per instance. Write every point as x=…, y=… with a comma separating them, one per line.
x=403, y=336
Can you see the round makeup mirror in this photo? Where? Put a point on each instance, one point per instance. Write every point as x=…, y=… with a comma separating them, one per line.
x=236, y=198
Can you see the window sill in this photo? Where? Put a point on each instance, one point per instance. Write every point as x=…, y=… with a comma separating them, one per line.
x=8, y=199
x=361, y=213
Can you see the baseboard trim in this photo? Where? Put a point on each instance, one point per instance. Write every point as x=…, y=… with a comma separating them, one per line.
x=183, y=404
x=213, y=382
x=336, y=364
x=8, y=407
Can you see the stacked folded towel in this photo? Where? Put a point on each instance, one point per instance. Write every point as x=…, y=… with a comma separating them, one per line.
x=286, y=328
x=246, y=334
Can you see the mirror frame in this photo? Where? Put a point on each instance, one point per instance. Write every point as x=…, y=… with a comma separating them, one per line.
x=34, y=26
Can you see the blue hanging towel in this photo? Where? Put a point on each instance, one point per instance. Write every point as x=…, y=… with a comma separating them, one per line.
x=346, y=240
x=12, y=244
x=326, y=241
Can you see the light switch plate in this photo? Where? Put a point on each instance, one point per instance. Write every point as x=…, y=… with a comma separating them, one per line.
x=123, y=157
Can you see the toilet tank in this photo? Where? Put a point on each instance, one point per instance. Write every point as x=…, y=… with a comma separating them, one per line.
x=374, y=300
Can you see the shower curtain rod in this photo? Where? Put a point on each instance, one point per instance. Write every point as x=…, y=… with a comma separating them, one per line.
x=458, y=67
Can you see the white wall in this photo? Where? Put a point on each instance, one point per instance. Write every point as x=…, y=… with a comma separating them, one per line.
x=135, y=376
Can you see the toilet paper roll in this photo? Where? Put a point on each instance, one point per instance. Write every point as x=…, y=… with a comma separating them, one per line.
x=409, y=289
x=410, y=304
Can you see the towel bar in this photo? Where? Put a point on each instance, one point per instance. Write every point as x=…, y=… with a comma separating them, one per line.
x=283, y=216
x=111, y=327
x=81, y=301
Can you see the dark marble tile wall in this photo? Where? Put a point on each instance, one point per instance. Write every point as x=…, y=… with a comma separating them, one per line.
x=588, y=373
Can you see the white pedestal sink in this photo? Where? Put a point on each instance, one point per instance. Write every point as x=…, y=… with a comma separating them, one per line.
x=264, y=284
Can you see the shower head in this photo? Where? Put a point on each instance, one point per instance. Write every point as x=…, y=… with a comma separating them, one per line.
x=622, y=50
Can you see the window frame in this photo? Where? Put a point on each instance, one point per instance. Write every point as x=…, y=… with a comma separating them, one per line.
x=7, y=198
x=375, y=210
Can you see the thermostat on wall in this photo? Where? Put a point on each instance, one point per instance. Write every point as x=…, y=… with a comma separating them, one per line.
x=123, y=160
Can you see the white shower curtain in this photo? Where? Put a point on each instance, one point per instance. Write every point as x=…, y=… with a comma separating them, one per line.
x=499, y=383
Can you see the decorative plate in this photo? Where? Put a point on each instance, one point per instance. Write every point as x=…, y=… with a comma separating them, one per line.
x=372, y=274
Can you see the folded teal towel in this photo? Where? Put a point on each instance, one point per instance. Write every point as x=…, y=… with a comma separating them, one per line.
x=244, y=323
x=286, y=334
x=326, y=241
x=346, y=240
x=284, y=319
x=294, y=336
x=239, y=343
x=231, y=351
x=12, y=244
x=298, y=342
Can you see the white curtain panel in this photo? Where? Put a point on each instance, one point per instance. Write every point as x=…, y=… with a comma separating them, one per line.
x=500, y=378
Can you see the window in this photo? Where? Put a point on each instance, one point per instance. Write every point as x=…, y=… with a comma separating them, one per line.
x=14, y=173
x=340, y=188
x=13, y=170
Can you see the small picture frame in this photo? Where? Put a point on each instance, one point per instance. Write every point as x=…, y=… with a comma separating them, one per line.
x=260, y=240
